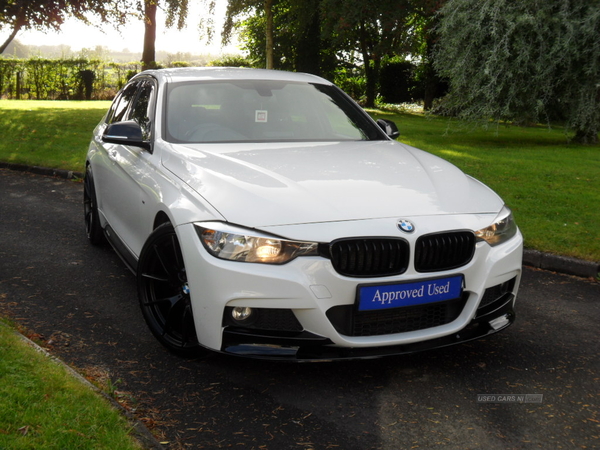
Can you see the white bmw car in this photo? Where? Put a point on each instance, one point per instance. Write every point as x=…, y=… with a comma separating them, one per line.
x=265, y=214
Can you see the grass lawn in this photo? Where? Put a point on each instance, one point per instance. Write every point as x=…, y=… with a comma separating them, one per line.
x=51, y=134
x=552, y=187
x=43, y=406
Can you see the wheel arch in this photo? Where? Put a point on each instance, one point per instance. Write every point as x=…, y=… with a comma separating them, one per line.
x=160, y=218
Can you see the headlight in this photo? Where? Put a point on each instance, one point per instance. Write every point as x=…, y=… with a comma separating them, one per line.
x=225, y=242
x=503, y=228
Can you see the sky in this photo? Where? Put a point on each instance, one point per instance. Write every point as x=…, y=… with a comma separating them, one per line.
x=77, y=35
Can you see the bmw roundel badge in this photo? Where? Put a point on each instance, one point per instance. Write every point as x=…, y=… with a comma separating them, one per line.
x=406, y=226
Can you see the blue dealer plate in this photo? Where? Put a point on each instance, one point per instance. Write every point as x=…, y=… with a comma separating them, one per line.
x=408, y=294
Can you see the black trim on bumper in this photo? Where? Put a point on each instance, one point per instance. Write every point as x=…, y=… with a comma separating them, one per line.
x=307, y=346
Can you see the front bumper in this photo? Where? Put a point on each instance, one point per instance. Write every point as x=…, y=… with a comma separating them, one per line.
x=310, y=289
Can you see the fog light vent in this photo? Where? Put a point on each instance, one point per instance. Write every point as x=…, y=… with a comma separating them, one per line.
x=495, y=293
x=273, y=319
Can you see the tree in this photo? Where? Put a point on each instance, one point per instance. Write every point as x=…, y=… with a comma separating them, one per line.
x=269, y=33
x=293, y=42
x=260, y=8
x=149, y=49
x=18, y=15
x=373, y=29
x=523, y=61
x=423, y=24
x=177, y=12
x=331, y=37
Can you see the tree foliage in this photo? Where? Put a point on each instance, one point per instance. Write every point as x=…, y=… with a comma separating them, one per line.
x=262, y=9
x=17, y=15
x=318, y=36
x=374, y=30
x=532, y=60
x=296, y=43
x=235, y=10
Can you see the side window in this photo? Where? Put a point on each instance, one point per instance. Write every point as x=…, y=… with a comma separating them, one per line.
x=142, y=109
x=119, y=107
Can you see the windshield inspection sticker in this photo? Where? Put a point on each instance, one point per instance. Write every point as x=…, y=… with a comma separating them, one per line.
x=409, y=294
x=261, y=116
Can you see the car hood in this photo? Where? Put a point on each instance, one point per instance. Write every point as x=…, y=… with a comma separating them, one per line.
x=272, y=184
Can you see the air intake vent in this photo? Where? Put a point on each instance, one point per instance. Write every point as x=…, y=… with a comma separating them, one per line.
x=444, y=251
x=349, y=322
x=369, y=257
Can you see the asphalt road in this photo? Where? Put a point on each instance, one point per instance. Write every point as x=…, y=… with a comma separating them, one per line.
x=80, y=301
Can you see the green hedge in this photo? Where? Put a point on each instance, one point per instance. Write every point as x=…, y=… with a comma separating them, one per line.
x=63, y=79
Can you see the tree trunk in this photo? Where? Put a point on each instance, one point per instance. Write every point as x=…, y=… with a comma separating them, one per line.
x=373, y=82
x=589, y=137
x=18, y=24
x=370, y=72
x=269, y=32
x=10, y=39
x=430, y=85
x=149, y=53
x=308, y=55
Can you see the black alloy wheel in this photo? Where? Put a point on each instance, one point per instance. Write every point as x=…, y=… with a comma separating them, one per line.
x=164, y=294
x=90, y=209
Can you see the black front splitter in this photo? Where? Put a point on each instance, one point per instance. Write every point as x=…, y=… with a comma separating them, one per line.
x=307, y=347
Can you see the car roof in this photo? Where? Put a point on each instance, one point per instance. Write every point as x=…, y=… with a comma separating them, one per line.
x=183, y=74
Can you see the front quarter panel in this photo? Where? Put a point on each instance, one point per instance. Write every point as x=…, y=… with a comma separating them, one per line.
x=174, y=197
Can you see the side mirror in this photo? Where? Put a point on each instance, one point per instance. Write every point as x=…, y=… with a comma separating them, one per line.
x=126, y=133
x=388, y=128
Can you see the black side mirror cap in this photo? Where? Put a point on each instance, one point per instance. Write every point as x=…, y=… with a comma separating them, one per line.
x=389, y=128
x=128, y=132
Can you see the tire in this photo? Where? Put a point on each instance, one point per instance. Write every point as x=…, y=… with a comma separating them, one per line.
x=164, y=293
x=90, y=208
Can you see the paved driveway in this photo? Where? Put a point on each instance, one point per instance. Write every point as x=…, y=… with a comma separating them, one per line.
x=81, y=302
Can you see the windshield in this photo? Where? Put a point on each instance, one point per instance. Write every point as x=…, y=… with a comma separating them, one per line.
x=263, y=111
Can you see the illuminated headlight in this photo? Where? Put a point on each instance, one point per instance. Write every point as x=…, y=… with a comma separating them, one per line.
x=236, y=244
x=503, y=228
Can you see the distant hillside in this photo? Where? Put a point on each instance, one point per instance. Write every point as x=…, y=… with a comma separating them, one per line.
x=17, y=50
